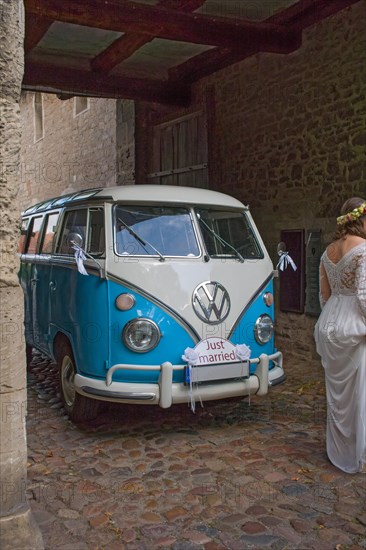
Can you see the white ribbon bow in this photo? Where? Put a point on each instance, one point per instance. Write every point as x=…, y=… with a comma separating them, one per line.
x=243, y=352
x=80, y=257
x=284, y=261
x=190, y=356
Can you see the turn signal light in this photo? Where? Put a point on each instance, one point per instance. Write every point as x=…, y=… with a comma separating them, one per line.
x=124, y=302
x=268, y=298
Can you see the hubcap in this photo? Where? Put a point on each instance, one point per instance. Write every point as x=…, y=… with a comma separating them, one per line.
x=67, y=379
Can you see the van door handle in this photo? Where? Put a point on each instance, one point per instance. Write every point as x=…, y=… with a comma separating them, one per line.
x=52, y=285
x=34, y=280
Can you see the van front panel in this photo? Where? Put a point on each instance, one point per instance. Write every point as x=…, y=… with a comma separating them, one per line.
x=175, y=337
x=173, y=283
x=244, y=328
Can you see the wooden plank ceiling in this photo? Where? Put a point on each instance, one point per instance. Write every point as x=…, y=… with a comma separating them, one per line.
x=153, y=50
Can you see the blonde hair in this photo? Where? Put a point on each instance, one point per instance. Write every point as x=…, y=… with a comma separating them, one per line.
x=351, y=227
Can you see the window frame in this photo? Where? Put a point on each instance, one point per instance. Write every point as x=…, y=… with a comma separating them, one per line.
x=88, y=235
x=38, y=111
x=23, y=232
x=232, y=255
x=61, y=226
x=44, y=232
x=30, y=231
x=86, y=109
x=191, y=215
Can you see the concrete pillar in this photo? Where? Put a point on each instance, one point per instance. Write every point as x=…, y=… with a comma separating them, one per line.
x=17, y=527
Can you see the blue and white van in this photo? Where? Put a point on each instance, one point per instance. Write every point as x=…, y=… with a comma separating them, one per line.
x=149, y=294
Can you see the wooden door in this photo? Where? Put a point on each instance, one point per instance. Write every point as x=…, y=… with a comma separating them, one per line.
x=180, y=152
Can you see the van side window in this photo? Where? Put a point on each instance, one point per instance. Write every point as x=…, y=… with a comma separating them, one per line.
x=96, y=244
x=49, y=234
x=35, y=229
x=23, y=234
x=74, y=222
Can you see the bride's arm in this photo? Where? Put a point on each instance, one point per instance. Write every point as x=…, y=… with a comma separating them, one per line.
x=360, y=280
x=324, y=286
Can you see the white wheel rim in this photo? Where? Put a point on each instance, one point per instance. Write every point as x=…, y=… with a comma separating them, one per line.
x=67, y=380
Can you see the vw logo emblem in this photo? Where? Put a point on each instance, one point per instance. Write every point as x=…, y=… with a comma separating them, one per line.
x=211, y=302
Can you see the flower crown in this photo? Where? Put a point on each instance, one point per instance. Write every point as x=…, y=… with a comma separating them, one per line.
x=353, y=215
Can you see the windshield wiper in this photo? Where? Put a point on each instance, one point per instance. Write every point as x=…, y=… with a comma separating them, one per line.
x=220, y=239
x=140, y=240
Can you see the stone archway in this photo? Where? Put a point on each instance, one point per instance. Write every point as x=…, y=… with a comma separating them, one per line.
x=17, y=527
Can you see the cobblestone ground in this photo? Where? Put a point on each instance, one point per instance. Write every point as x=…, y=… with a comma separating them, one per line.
x=236, y=475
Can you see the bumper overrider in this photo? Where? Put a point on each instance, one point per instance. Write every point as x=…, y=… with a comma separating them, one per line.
x=166, y=392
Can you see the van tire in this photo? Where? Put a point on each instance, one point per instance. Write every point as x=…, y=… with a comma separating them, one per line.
x=77, y=407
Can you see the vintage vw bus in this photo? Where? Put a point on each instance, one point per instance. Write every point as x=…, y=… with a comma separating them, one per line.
x=149, y=294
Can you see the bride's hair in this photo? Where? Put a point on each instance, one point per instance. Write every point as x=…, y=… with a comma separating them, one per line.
x=351, y=226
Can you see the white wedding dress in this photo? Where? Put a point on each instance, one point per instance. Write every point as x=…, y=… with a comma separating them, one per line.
x=340, y=335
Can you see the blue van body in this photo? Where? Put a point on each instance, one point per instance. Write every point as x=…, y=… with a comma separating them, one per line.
x=128, y=322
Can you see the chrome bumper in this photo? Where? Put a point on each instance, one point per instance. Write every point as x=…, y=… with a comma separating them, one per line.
x=166, y=392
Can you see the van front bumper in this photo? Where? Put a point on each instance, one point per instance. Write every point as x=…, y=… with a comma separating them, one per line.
x=166, y=392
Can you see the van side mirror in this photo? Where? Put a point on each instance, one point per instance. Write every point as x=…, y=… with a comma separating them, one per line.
x=74, y=238
x=75, y=241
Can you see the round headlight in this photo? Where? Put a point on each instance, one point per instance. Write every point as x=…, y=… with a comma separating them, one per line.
x=263, y=329
x=141, y=335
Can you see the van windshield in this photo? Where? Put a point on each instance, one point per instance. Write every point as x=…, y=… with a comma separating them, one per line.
x=154, y=230
x=228, y=234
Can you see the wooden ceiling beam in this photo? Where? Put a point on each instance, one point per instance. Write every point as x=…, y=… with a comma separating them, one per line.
x=307, y=12
x=118, y=51
x=126, y=45
x=181, y=5
x=157, y=22
x=296, y=17
x=35, y=29
x=205, y=64
x=51, y=79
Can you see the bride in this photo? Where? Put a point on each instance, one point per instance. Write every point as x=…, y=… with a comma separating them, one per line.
x=340, y=335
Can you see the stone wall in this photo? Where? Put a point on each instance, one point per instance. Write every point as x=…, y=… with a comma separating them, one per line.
x=291, y=137
x=125, y=142
x=287, y=134
x=295, y=124
x=76, y=152
x=17, y=526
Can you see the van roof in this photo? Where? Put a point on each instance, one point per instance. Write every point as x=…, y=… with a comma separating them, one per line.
x=149, y=194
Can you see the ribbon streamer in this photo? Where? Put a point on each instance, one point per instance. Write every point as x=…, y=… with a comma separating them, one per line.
x=285, y=261
x=191, y=396
x=80, y=257
x=191, y=357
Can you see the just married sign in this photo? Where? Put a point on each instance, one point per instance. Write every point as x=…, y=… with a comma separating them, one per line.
x=217, y=352
x=215, y=359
